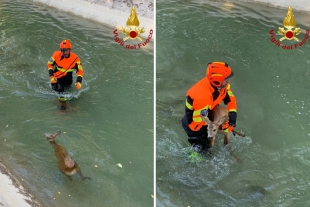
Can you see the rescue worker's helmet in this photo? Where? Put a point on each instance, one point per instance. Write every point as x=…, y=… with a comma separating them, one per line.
x=217, y=72
x=65, y=44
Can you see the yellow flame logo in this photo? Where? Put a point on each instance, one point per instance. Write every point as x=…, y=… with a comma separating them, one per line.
x=289, y=23
x=133, y=30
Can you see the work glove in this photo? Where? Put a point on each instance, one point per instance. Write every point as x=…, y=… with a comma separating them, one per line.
x=204, y=113
x=232, y=118
x=78, y=85
x=229, y=129
x=53, y=79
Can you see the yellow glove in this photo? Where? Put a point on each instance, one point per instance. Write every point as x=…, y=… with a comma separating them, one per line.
x=229, y=129
x=53, y=79
x=78, y=85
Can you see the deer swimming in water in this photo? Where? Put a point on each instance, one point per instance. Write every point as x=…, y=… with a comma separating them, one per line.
x=65, y=163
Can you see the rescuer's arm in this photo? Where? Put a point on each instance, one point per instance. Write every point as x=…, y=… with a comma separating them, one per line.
x=50, y=68
x=79, y=74
x=231, y=102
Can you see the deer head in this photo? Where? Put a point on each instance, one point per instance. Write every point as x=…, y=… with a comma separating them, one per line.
x=214, y=126
x=51, y=137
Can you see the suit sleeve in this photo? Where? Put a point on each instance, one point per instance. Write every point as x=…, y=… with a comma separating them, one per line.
x=79, y=71
x=230, y=100
x=50, y=65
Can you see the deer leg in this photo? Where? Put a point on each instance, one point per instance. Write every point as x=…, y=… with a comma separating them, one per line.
x=212, y=142
x=78, y=170
x=70, y=178
x=226, y=138
x=233, y=154
x=238, y=133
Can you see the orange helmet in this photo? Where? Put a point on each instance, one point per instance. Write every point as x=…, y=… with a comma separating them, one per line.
x=217, y=72
x=65, y=44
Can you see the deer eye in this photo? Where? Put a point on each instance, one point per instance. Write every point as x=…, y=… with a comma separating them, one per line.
x=214, y=130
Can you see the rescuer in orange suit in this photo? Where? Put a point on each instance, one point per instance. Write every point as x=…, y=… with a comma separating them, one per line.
x=203, y=97
x=61, y=65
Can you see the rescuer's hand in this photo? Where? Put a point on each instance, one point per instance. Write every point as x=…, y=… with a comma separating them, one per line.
x=53, y=79
x=78, y=85
x=229, y=129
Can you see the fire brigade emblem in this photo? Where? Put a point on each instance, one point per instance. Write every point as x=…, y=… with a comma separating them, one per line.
x=132, y=30
x=289, y=23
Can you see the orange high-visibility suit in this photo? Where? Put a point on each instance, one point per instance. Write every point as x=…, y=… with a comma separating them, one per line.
x=203, y=97
x=61, y=68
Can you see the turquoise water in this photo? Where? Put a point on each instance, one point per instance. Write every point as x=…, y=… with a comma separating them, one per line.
x=109, y=121
x=272, y=90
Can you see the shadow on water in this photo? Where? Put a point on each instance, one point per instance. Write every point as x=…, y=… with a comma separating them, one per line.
x=109, y=121
x=272, y=90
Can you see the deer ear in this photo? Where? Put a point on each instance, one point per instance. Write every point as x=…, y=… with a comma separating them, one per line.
x=206, y=120
x=222, y=120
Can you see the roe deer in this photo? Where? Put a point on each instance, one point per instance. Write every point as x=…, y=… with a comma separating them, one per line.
x=219, y=115
x=65, y=163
